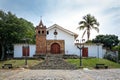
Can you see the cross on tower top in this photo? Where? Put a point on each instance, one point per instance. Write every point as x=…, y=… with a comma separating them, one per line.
x=41, y=23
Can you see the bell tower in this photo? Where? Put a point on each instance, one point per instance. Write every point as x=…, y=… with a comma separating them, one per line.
x=40, y=38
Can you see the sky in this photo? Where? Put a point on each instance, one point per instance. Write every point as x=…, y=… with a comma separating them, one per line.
x=68, y=13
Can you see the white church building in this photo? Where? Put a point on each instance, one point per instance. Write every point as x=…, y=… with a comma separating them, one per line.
x=56, y=40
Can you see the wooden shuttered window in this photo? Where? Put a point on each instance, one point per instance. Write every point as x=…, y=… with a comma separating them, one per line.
x=25, y=51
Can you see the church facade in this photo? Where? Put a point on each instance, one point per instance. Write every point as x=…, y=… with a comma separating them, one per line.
x=55, y=40
x=47, y=40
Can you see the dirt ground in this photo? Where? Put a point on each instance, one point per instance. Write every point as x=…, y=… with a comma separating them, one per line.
x=85, y=74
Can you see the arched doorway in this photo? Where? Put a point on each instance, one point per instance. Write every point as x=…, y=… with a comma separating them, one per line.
x=55, y=48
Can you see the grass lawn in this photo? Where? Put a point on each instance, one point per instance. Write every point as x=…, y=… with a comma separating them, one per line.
x=19, y=63
x=86, y=62
x=91, y=62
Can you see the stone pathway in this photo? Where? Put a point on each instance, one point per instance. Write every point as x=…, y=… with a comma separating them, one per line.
x=25, y=74
x=54, y=61
x=108, y=74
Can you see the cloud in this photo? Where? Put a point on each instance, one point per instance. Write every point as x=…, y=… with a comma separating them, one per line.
x=67, y=13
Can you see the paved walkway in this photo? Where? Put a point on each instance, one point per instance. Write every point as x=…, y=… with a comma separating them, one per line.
x=109, y=74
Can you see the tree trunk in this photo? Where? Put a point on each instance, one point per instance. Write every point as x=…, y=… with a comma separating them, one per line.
x=88, y=34
x=3, y=52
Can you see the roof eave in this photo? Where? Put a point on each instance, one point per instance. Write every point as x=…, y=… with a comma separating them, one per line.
x=63, y=29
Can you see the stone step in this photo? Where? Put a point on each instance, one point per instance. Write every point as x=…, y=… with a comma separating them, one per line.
x=54, y=61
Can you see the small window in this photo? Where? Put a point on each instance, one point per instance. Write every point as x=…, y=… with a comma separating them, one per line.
x=38, y=32
x=47, y=32
x=42, y=32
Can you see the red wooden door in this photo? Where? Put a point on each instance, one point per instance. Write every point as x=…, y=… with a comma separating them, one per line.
x=85, y=52
x=55, y=48
x=25, y=50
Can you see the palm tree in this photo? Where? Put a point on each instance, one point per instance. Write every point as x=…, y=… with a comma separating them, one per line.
x=89, y=22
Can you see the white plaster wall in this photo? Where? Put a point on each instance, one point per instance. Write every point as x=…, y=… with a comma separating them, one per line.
x=95, y=51
x=32, y=50
x=76, y=50
x=18, y=50
x=70, y=48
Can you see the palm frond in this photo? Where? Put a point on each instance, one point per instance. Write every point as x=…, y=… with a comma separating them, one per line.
x=96, y=28
x=81, y=27
x=89, y=22
x=82, y=22
x=94, y=22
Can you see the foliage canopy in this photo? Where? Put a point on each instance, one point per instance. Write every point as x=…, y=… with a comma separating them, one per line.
x=13, y=30
x=108, y=41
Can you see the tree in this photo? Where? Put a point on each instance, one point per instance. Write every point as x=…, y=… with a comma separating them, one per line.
x=117, y=48
x=12, y=30
x=108, y=41
x=89, y=22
